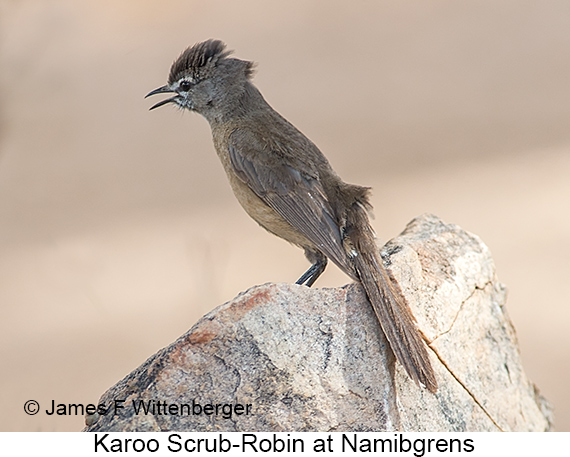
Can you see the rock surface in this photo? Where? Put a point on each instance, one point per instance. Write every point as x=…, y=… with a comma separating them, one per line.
x=316, y=360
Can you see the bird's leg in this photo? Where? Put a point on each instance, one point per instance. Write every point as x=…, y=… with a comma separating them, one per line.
x=319, y=263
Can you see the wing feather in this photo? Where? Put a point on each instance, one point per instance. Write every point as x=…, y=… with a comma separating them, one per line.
x=297, y=197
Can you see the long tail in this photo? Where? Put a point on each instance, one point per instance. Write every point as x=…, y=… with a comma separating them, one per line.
x=390, y=306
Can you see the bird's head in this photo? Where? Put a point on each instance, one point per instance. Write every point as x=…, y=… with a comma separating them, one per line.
x=205, y=80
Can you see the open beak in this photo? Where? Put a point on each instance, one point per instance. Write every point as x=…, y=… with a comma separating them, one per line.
x=162, y=90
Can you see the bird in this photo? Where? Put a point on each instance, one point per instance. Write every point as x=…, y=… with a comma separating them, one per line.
x=286, y=184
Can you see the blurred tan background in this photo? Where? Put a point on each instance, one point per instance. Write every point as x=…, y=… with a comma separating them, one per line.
x=118, y=229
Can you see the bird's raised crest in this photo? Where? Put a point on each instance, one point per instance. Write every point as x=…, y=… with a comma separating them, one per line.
x=200, y=60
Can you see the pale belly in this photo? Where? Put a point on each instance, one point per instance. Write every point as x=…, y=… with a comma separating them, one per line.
x=264, y=215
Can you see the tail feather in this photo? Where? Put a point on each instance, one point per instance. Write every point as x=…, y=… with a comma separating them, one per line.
x=390, y=306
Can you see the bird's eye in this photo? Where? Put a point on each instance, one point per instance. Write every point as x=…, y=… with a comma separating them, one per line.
x=185, y=86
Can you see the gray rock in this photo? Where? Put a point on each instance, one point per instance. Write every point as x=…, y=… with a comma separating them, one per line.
x=316, y=360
